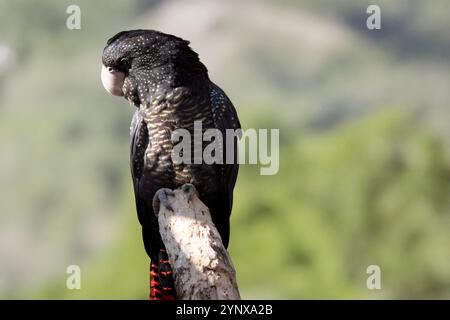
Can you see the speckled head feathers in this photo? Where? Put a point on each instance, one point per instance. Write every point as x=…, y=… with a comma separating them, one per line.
x=150, y=46
x=151, y=59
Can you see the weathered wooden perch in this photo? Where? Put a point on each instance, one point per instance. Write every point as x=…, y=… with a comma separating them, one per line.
x=201, y=265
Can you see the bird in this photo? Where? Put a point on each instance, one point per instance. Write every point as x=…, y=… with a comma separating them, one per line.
x=163, y=77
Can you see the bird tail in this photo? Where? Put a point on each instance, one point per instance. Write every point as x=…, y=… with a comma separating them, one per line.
x=162, y=286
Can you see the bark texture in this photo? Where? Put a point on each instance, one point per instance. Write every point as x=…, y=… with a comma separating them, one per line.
x=201, y=265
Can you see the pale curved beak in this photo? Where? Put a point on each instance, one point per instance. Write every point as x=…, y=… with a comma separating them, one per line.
x=112, y=81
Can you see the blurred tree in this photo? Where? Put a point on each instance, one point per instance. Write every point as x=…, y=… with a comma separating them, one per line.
x=375, y=192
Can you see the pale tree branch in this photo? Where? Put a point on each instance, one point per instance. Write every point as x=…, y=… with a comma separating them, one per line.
x=201, y=265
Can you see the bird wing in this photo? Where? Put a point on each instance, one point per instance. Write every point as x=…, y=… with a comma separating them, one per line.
x=225, y=117
x=139, y=143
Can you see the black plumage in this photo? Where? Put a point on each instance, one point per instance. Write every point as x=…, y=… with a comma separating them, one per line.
x=171, y=89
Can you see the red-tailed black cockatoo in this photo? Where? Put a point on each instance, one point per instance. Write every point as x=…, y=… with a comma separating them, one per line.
x=170, y=88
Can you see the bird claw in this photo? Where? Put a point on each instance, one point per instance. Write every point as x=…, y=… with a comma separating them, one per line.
x=161, y=197
x=189, y=190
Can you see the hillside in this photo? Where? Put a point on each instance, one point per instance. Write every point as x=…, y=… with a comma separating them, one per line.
x=364, y=135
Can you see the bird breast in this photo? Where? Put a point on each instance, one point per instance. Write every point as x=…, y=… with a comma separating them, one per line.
x=164, y=113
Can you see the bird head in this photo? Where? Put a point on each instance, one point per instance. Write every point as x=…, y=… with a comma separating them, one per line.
x=138, y=61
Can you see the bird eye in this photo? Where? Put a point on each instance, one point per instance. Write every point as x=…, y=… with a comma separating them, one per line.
x=110, y=69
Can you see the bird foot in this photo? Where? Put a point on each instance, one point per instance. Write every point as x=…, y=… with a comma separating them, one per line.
x=161, y=197
x=189, y=191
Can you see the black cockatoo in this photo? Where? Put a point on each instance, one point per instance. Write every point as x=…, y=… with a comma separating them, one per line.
x=165, y=80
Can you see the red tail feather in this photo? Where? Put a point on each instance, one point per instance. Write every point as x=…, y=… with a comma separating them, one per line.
x=162, y=286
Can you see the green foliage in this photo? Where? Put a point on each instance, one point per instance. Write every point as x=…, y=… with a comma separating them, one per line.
x=375, y=192
x=119, y=272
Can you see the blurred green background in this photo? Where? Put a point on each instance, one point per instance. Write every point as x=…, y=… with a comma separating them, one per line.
x=364, y=162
